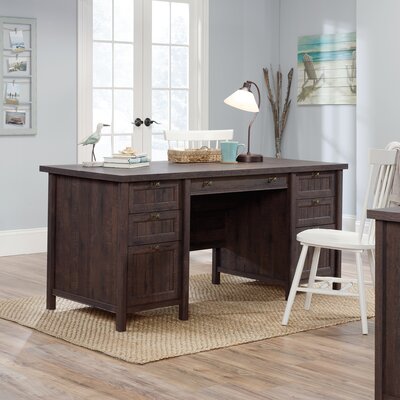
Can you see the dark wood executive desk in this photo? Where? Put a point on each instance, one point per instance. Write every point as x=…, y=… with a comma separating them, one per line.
x=387, y=298
x=119, y=239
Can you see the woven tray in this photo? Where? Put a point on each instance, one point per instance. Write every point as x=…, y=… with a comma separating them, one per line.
x=202, y=155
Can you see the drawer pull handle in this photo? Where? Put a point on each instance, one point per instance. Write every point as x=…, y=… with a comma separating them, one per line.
x=272, y=180
x=315, y=202
x=315, y=174
x=156, y=247
x=207, y=183
x=155, y=216
x=156, y=184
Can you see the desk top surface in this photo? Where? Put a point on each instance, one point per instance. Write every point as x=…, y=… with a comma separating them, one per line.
x=162, y=170
x=391, y=214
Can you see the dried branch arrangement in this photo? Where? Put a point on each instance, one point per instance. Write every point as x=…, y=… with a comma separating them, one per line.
x=279, y=113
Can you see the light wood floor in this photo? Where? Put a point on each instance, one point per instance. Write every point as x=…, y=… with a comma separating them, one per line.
x=330, y=363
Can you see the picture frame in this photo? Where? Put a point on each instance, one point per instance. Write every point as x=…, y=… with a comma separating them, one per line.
x=15, y=117
x=18, y=76
x=19, y=65
x=327, y=69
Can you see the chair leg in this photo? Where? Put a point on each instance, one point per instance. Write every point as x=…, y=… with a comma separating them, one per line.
x=361, y=292
x=371, y=259
x=295, y=284
x=313, y=273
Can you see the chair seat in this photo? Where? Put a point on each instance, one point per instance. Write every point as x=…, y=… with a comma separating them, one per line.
x=333, y=239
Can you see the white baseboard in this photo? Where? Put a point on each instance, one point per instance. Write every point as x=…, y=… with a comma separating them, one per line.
x=23, y=241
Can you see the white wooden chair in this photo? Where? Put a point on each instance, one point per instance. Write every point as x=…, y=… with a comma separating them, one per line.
x=197, y=139
x=382, y=166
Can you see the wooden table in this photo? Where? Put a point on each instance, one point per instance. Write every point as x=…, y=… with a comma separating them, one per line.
x=119, y=239
x=387, y=299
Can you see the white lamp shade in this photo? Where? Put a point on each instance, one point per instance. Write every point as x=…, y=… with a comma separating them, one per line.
x=243, y=100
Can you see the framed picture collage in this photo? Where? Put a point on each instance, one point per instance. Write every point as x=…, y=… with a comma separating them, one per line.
x=18, y=76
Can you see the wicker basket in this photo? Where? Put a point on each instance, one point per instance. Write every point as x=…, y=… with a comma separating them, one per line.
x=202, y=155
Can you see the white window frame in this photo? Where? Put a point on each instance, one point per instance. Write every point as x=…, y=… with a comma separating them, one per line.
x=199, y=76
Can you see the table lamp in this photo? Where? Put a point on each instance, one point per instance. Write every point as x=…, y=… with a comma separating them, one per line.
x=244, y=99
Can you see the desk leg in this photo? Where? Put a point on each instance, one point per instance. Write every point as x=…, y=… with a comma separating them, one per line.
x=216, y=262
x=337, y=268
x=51, y=222
x=183, y=311
x=50, y=302
x=184, y=303
x=121, y=321
x=122, y=260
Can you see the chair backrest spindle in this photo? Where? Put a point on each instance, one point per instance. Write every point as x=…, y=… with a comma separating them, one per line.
x=382, y=167
x=197, y=139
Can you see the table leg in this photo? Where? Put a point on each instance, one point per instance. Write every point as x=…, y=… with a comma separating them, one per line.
x=51, y=244
x=216, y=262
x=121, y=321
x=184, y=300
x=183, y=311
x=50, y=301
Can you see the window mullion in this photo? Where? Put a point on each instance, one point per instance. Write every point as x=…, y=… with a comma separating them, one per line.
x=170, y=67
x=112, y=78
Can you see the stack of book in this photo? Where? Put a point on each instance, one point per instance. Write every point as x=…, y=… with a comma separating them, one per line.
x=126, y=161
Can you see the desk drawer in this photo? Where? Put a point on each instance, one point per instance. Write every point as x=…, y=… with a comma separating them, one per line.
x=241, y=184
x=316, y=184
x=154, y=196
x=318, y=211
x=154, y=227
x=154, y=274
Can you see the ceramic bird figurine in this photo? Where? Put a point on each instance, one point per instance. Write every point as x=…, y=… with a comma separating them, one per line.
x=93, y=139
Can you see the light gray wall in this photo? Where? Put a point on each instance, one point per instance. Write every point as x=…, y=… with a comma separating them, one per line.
x=378, y=80
x=320, y=132
x=23, y=188
x=244, y=37
x=243, y=40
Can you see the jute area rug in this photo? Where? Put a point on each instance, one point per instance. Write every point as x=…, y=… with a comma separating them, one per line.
x=236, y=311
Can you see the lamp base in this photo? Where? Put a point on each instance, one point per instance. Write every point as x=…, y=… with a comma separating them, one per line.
x=248, y=157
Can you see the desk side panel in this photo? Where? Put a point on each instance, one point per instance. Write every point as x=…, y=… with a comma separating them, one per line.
x=86, y=230
x=388, y=310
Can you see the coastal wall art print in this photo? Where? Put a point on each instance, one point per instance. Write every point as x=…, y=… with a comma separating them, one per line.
x=326, y=66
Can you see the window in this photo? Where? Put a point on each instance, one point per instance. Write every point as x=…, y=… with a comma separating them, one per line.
x=140, y=59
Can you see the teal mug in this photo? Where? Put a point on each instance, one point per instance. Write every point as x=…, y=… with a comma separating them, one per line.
x=230, y=150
